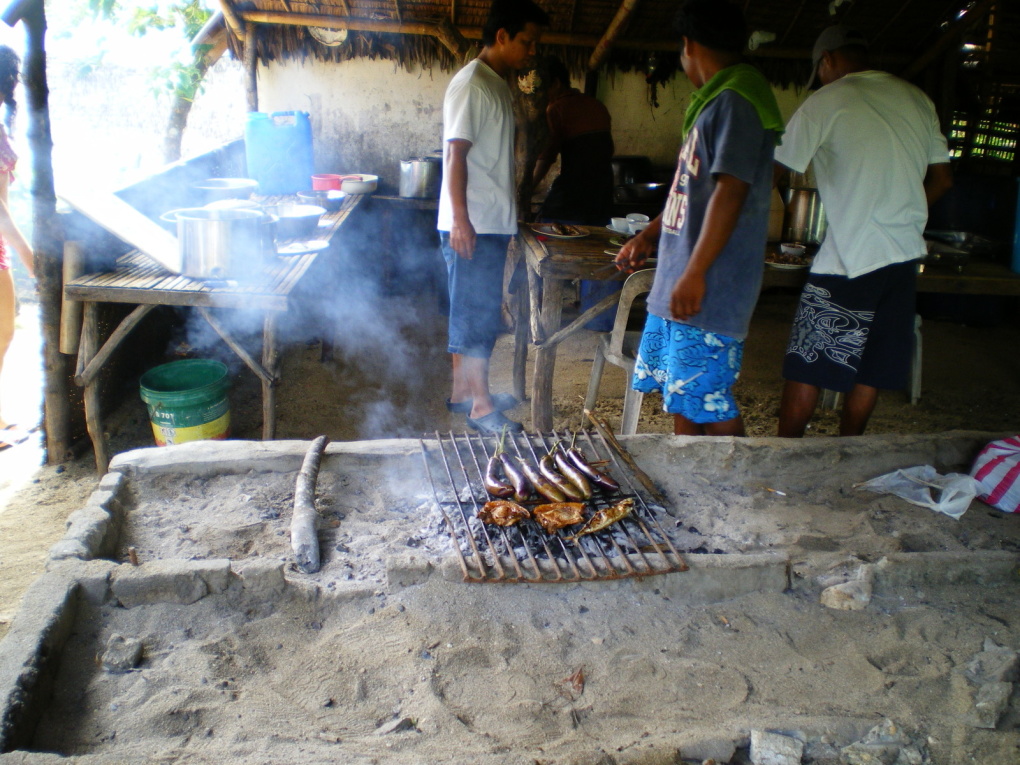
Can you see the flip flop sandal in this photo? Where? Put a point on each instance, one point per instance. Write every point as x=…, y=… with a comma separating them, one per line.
x=500, y=402
x=493, y=424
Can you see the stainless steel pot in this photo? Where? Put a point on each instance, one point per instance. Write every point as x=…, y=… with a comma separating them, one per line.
x=221, y=243
x=421, y=177
x=805, y=217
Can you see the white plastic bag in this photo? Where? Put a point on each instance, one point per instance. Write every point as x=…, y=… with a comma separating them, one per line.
x=950, y=494
x=997, y=470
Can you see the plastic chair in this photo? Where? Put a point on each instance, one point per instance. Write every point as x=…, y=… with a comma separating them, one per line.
x=620, y=347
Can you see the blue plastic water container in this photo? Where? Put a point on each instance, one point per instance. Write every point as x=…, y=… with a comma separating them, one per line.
x=278, y=148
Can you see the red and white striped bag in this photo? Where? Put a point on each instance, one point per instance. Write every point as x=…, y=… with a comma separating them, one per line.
x=997, y=469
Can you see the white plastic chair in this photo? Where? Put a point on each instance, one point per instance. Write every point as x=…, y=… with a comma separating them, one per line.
x=620, y=347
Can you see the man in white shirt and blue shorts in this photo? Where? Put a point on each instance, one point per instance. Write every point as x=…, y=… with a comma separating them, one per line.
x=478, y=207
x=880, y=160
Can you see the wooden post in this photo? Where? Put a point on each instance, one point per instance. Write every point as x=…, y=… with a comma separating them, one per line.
x=251, y=63
x=46, y=238
x=70, y=311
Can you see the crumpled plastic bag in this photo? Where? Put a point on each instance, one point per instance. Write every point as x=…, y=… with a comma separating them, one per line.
x=923, y=486
x=997, y=470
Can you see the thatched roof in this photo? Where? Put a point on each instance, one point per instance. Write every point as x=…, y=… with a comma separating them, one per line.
x=906, y=35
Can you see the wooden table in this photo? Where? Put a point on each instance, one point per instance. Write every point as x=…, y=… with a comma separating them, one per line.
x=551, y=263
x=140, y=281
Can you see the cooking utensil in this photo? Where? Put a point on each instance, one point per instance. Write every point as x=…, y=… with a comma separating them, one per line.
x=296, y=221
x=359, y=184
x=420, y=177
x=330, y=199
x=219, y=243
x=215, y=189
x=805, y=217
x=644, y=192
x=326, y=181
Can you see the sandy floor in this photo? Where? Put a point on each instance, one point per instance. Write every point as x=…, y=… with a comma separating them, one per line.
x=899, y=658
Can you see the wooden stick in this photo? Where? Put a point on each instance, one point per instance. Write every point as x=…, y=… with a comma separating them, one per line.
x=303, y=537
x=70, y=310
x=606, y=432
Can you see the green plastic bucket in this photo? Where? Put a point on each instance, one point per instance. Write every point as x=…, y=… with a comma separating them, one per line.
x=187, y=401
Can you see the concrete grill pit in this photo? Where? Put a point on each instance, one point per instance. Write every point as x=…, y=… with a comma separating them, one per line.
x=386, y=655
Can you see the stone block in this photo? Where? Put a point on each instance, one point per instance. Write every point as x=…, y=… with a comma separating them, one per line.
x=775, y=749
x=848, y=596
x=122, y=654
x=990, y=703
x=994, y=664
x=261, y=577
x=169, y=581
x=92, y=528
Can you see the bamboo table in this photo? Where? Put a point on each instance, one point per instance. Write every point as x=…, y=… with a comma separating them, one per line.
x=551, y=263
x=140, y=281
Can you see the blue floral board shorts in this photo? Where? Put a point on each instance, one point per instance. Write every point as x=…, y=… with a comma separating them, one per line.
x=476, y=294
x=693, y=369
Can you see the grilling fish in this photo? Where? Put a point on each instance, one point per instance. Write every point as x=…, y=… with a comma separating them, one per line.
x=606, y=517
x=558, y=515
x=502, y=512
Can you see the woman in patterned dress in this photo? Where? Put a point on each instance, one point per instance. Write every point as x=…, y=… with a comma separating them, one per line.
x=11, y=236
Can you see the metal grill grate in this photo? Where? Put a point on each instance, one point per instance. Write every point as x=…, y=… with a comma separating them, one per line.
x=635, y=546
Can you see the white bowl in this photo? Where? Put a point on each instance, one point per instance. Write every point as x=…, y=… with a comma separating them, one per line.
x=637, y=226
x=790, y=248
x=620, y=225
x=638, y=218
x=359, y=183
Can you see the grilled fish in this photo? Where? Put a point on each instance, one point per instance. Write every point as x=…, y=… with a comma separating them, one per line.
x=557, y=515
x=502, y=512
x=606, y=517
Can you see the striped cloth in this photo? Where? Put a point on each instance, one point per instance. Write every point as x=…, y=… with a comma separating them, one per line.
x=997, y=469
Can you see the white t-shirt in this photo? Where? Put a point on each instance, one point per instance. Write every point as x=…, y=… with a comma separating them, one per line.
x=870, y=137
x=478, y=108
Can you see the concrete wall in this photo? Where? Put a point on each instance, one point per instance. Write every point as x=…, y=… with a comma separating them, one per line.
x=368, y=115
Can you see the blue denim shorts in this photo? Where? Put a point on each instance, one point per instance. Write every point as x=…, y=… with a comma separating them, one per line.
x=476, y=294
x=693, y=369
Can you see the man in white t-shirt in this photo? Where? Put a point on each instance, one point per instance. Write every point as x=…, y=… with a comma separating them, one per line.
x=477, y=204
x=880, y=160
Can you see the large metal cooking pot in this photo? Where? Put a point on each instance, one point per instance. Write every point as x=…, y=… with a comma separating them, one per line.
x=805, y=217
x=221, y=243
x=420, y=177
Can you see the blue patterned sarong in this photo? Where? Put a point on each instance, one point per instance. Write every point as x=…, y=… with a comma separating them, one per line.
x=693, y=369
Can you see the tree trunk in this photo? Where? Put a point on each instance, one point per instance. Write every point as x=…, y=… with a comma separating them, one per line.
x=179, y=116
x=46, y=238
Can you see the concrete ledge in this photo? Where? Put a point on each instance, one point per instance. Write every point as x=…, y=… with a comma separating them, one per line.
x=29, y=655
x=913, y=569
x=169, y=581
x=90, y=533
x=208, y=458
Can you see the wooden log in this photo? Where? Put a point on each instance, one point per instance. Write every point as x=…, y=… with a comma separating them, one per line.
x=271, y=363
x=70, y=310
x=251, y=65
x=303, y=537
x=616, y=27
x=98, y=358
x=93, y=414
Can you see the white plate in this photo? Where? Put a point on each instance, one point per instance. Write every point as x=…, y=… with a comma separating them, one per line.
x=617, y=231
x=545, y=229
x=614, y=253
x=787, y=266
x=616, y=242
x=300, y=248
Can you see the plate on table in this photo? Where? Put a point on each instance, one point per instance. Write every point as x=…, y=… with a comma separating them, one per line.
x=617, y=241
x=572, y=232
x=300, y=248
x=617, y=231
x=786, y=266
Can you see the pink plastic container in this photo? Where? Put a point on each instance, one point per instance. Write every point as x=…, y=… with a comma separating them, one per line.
x=325, y=182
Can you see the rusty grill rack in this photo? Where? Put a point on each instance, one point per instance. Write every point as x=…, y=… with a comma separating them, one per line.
x=633, y=547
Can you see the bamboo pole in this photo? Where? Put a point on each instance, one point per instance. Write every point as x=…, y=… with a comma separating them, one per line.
x=46, y=238
x=616, y=27
x=234, y=22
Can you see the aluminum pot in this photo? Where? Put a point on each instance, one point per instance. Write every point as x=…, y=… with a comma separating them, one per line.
x=805, y=217
x=420, y=177
x=221, y=243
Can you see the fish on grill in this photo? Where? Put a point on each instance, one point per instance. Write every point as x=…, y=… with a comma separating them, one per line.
x=606, y=517
x=557, y=515
x=502, y=512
